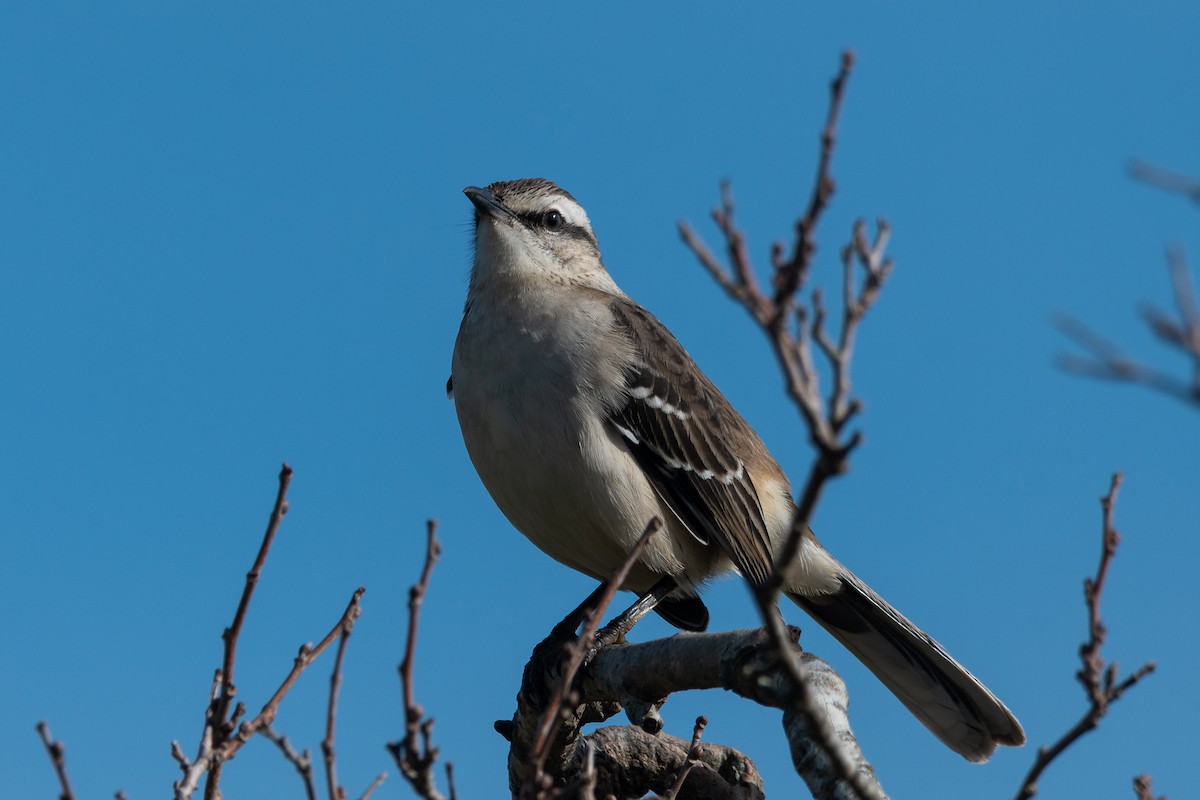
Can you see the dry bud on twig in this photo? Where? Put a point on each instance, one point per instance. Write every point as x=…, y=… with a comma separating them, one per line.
x=58, y=757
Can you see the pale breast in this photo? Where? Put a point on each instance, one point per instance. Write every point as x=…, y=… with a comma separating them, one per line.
x=528, y=418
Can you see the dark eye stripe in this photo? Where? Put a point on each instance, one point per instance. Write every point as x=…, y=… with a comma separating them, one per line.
x=567, y=229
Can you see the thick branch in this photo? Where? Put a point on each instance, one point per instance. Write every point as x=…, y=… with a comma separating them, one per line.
x=545, y=728
x=745, y=663
x=629, y=762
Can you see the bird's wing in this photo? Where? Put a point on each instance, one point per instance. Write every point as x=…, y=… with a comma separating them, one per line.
x=685, y=436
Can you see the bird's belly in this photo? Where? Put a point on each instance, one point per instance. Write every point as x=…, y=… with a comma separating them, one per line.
x=563, y=480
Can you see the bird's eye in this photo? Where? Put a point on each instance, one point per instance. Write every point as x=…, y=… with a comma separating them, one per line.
x=552, y=220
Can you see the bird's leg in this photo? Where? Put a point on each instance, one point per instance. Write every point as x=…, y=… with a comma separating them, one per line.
x=569, y=626
x=615, y=630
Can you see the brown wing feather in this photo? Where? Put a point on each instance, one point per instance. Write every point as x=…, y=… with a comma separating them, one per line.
x=681, y=430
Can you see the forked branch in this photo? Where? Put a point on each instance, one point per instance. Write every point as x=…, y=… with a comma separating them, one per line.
x=1104, y=360
x=224, y=733
x=1098, y=678
x=415, y=754
x=793, y=328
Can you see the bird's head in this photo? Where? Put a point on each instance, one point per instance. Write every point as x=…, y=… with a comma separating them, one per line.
x=532, y=230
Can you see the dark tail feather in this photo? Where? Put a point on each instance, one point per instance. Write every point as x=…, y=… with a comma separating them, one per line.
x=947, y=699
x=685, y=613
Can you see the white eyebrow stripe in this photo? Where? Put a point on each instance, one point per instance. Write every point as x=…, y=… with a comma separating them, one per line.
x=572, y=212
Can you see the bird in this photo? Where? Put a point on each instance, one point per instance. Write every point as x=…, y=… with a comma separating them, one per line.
x=585, y=418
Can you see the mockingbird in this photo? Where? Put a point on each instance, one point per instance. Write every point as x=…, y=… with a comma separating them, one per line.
x=585, y=418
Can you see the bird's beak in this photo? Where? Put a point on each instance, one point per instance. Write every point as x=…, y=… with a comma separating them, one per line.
x=486, y=204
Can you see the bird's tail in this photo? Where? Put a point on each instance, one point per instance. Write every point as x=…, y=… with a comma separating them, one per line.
x=947, y=699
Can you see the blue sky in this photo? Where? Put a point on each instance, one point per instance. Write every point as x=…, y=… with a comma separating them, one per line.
x=233, y=235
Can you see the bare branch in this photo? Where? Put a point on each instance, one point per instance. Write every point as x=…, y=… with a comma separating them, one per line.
x=213, y=754
x=693, y=755
x=1167, y=179
x=415, y=754
x=375, y=784
x=1096, y=676
x=193, y=771
x=231, y=634
x=301, y=761
x=824, y=776
x=304, y=658
x=791, y=274
x=1182, y=333
x=58, y=757
x=747, y=664
x=336, y=792
x=1143, y=789
x=219, y=724
x=631, y=762
x=792, y=328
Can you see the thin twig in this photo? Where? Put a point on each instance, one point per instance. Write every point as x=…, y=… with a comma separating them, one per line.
x=1167, y=179
x=336, y=792
x=790, y=274
x=1105, y=360
x=416, y=595
x=415, y=754
x=58, y=757
x=211, y=755
x=1143, y=788
x=1099, y=679
x=375, y=784
x=221, y=722
x=694, y=752
x=301, y=761
x=307, y=655
x=193, y=771
x=231, y=634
